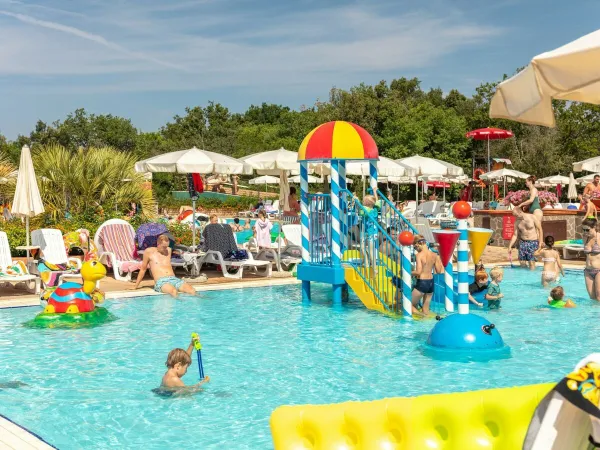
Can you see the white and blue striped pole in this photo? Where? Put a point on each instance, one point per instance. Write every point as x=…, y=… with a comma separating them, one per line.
x=449, y=282
x=304, y=225
x=343, y=205
x=406, y=282
x=373, y=175
x=463, y=267
x=336, y=247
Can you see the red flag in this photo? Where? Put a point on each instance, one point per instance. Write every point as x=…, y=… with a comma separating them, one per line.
x=198, y=183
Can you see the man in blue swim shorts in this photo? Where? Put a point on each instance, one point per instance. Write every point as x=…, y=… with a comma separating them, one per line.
x=158, y=259
x=426, y=263
x=528, y=230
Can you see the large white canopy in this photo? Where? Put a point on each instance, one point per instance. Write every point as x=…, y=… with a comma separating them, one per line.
x=430, y=166
x=311, y=179
x=568, y=73
x=193, y=161
x=273, y=162
x=587, y=179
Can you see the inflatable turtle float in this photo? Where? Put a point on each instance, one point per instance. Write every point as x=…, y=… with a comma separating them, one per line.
x=73, y=304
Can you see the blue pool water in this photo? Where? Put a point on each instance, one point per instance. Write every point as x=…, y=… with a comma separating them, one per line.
x=91, y=388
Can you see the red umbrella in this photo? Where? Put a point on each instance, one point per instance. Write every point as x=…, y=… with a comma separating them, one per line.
x=489, y=134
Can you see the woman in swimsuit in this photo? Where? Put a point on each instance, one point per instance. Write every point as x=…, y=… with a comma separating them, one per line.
x=534, y=200
x=592, y=260
x=551, y=260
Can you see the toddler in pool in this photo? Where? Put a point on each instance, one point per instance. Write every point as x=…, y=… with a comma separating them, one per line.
x=494, y=295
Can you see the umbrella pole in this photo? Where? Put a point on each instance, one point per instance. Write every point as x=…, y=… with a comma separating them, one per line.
x=194, y=224
x=362, y=177
x=489, y=166
x=27, y=238
x=417, y=199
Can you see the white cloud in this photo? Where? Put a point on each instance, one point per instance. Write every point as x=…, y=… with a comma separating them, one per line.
x=147, y=49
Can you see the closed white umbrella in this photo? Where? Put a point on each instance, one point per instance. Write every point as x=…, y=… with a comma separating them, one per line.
x=27, y=201
x=265, y=179
x=193, y=161
x=572, y=192
x=568, y=73
x=284, y=192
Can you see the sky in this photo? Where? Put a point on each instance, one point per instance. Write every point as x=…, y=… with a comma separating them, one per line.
x=149, y=59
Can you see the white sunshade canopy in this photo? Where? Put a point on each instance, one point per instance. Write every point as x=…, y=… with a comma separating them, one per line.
x=311, y=179
x=425, y=166
x=568, y=73
x=265, y=179
x=193, y=161
x=587, y=179
x=553, y=180
x=273, y=162
x=589, y=165
x=500, y=174
x=385, y=168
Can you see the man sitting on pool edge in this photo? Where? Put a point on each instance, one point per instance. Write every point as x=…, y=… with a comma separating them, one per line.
x=158, y=259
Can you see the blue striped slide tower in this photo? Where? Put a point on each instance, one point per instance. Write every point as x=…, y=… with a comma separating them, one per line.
x=336, y=246
x=343, y=205
x=304, y=225
x=373, y=175
x=463, y=267
x=406, y=282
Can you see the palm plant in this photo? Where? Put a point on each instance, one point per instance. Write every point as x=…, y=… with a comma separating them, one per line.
x=8, y=178
x=88, y=179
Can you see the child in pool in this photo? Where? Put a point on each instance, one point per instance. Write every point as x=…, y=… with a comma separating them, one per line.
x=551, y=260
x=557, y=299
x=177, y=364
x=494, y=295
x=479, y=285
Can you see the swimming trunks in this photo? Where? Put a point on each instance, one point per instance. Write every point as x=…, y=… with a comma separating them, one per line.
x=535, y=205
x=424, y=286
x=173, y=281
x=527, y=249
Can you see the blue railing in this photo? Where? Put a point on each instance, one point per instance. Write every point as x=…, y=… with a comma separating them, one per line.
x=374, y=254
x=319, y=229
x=393, y=217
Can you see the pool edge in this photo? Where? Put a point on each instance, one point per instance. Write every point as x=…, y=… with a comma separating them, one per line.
x=38, y=441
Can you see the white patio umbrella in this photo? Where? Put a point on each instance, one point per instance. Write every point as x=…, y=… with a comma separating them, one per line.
x=586, y=179
x=429, y=166
x=503, y=174
x=568, y=73
x=265, y=179
x=27, y=201
x=589, y=165
x=553, y=180
x=572, y=193
x=193, y=160
x=311, y=179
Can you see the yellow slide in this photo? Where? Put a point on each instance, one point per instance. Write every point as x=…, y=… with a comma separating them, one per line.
x=386, y=289
x=494, y=419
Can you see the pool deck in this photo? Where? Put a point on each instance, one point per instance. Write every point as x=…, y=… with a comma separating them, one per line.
x=14, y=437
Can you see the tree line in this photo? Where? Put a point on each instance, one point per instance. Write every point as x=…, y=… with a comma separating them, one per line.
x=403, y=118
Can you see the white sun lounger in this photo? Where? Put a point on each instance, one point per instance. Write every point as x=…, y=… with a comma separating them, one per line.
x=52, y=247
x=6, y=261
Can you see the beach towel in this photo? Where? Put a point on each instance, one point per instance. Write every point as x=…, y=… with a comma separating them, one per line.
x=263, y=233
x=219, y=237
x=119, y=239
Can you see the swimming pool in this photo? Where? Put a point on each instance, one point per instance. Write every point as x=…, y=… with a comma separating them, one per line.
x=262, y=348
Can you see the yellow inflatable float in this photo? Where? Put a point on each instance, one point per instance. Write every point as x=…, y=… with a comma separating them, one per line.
x=495, y=419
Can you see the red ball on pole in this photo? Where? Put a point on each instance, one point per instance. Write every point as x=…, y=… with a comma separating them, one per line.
x=461, y=210
x=406, y=238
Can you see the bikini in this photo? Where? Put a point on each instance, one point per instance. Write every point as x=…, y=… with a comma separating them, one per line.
x=590, y=271
x=549, y=274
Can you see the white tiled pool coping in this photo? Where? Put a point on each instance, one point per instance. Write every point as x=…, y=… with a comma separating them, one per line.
x=14, y=437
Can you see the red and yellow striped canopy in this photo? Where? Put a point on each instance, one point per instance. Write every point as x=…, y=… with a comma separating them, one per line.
x=337, y=140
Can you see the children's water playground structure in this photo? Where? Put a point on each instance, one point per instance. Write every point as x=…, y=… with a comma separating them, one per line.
x=347, y=245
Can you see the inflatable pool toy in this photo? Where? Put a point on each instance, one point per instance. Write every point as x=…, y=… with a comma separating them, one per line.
x=74, y=304
x=568, y=303
x=489, y=419
x=198, y=347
